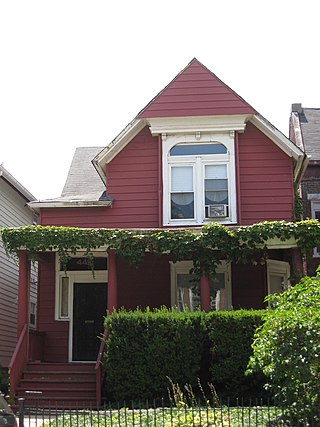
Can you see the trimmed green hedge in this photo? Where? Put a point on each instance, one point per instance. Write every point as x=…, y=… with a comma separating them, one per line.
x=144, y=349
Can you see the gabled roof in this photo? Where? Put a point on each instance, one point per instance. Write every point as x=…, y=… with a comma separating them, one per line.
x=5, y=175
x=306, y=123
x=83, y=187
x=197, y=92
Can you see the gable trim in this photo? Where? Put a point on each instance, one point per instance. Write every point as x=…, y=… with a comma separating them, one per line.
x=112, y=149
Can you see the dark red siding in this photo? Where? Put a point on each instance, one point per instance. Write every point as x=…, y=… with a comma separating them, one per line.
x=145, y=286
x=56, y=332
x=196, y=91
x=249, y=286
x=132, y=180
x=266, y=179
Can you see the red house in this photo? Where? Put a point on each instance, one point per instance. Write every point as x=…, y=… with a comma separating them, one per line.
x=196, y=153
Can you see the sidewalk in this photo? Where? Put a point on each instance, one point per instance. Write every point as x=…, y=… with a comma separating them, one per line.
x=34, y=421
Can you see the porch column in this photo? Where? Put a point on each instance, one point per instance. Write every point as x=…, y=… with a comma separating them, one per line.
x=23, y=291
x=205, y=292
x=298, y=263
x=112, y=282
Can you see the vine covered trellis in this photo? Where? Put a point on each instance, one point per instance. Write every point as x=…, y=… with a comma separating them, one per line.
x=205, y=246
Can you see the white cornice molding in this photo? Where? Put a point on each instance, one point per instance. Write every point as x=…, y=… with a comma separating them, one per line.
x=112, y=149
x=202, y=124
x=276, y=136
x=70, y=204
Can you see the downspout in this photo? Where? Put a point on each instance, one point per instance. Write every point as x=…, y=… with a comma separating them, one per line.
x=236, y=143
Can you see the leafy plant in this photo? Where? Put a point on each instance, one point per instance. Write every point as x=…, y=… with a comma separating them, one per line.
x=206, y=247
x=287, y=349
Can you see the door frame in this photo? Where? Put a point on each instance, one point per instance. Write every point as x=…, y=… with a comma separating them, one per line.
x=100, y=276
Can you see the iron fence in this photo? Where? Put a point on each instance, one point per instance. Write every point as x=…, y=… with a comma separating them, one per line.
x=249, y=413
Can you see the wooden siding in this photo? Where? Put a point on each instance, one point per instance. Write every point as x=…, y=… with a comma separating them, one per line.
x=13, y=213
x=56, y=332
x=196, y=91
x=132, y=180
x=147, y=285
x=266, y=179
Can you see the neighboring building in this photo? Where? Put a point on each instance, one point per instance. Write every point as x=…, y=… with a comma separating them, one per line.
x=196, y=153
x=305, y=133
x=14, y=212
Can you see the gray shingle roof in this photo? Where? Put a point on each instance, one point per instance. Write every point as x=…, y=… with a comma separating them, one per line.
x=310, y=127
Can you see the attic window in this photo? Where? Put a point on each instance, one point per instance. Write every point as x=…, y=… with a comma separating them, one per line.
x=197, y=149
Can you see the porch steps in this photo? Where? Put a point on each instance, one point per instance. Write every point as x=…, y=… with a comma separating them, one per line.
x=69, y=385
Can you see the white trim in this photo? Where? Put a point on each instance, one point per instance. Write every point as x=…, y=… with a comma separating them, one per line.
x=100, y=276
x=70, y=204
x=112, y=149
x=315, y=206
x=184, y=267
x=278, y=268
x=225, y=138
x=197, y=124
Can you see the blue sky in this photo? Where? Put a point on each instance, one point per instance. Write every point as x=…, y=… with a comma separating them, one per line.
x=74, y=72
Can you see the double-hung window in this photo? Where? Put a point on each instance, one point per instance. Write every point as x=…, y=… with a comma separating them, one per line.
x=199, y=181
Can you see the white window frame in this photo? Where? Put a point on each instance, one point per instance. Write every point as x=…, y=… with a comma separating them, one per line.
x=315, y=207
x=278, y=268
x=184, y=267
x=199, y=162
x=33, y=302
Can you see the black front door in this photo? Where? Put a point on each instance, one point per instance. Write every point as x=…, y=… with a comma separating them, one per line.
x=89, y=309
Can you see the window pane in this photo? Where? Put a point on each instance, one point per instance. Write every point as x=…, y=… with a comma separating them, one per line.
x=216, y=184
x=182, y=205
x=218, y=297
x=64, y=297
x=276, y=283
x=197, y=149
x=215, y=171
x=186, y=298
x=216, y=197
x=182, y=179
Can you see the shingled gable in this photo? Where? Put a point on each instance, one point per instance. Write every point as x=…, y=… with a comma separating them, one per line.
x=197, y=93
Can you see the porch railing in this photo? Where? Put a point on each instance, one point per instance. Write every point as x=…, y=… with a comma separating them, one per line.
x=99, y=368
x=18, y=361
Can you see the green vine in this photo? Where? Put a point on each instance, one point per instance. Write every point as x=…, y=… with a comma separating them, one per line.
x=206, y=247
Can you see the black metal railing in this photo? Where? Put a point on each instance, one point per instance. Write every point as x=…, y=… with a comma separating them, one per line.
x=241, y=413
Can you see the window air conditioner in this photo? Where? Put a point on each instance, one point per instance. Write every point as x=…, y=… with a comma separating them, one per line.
x=217, y=211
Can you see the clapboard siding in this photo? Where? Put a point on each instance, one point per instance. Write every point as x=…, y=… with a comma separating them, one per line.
x=56, y=332
x=196, y=91
x=13, y=213
x=132, y=181
x=266, y=179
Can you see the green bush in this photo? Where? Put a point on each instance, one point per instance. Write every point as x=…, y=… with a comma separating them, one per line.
x=287, y=349
x=231, y=334
x=144, y=349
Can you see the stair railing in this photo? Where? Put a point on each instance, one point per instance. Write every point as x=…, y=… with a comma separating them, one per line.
x=99, y=367
x=18, y=361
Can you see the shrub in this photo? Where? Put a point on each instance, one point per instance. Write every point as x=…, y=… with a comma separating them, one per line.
x=287, y=349
x=231, y=336
x=145, y=348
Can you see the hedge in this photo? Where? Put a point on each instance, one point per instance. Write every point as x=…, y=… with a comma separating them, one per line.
x=145, y=350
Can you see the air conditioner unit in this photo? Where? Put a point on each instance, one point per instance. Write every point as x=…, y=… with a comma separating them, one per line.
x=217, y=211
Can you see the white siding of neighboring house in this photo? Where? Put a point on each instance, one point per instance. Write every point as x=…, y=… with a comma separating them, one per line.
x=13, y=213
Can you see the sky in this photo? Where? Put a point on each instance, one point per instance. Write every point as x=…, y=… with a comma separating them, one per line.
x=74, y=73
